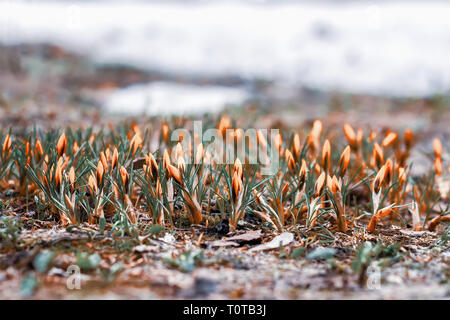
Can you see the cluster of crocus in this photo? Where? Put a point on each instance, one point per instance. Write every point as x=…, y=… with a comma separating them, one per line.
x=113, y=176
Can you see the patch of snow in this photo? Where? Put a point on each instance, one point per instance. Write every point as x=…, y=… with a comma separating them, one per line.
x=382, y=47
x=158, y=98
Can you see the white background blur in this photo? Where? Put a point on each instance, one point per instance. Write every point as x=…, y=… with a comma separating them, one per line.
x=398, y=48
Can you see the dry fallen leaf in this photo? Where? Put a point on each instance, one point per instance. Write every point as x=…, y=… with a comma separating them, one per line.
x=246, y=237
x=281, y=240
x=222, y=243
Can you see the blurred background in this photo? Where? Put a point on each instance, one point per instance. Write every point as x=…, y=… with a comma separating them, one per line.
x=188, y=57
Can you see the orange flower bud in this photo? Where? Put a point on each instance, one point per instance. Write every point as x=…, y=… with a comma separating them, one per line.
x=319, y=184
x=334, y=184
x=58, y=175
x=92, y=139
x=92, y=184
x=6, y=144
x=61, y=145
x=350, y=135
x=181, y=164
x=290, y=160
x=166, y=159
x=174, y=173
x=238, y=168
x=136, y=129
x=389, y=170
x=326, y=155
x=379, y=178
x=437, y=147
x=409, y=138
x=75, y=147
x=153, y=166
x=316, y=129
x=278, y=142
x=314, y=135
x=108, y=154
x=99, y=172
x=377, y=217
x=261, y=139
x=199, y=153
x=179, y=151
x=39, y=148
x=236, y=185
x=72, y=175
x=434, y=223
x=344, y=160
x=27, y=148
x=302, y=174
x=296, y=146
x=377, y=155
x=165, y=132
x=438, y=166
x=104, y=161
x=329, y=182
x=158, y=190
x=115, y=159
x=390, y=139
x=317, y=169
x=135, y=143
x=124, y=175
x=68, y=203
x=224, y=124
x=359, y=136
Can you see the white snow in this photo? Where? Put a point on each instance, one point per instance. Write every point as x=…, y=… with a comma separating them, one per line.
x=380, y=47
x=159, y=98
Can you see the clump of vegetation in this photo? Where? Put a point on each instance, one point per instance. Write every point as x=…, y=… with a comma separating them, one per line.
x=369, y=252
x=111, y=179
x=9, y=230
x=185, y=261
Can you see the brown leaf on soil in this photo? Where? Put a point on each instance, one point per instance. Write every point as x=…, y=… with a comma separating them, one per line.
x=222, y=243
x=281, y=240
x=246, y=237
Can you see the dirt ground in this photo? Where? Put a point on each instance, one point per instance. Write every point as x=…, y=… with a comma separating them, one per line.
x=412, y=265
